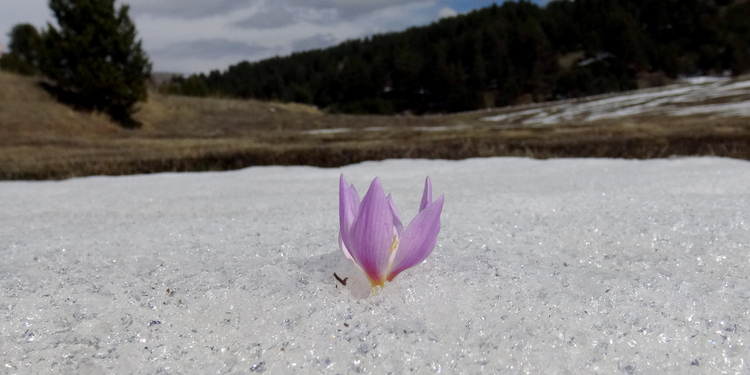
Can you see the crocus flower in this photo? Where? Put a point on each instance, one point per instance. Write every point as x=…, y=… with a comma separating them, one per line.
x=373, y=236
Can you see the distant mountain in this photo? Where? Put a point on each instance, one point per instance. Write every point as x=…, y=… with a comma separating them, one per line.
x=517, y=52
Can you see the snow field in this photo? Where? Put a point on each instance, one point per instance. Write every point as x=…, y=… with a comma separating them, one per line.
x=574, y=266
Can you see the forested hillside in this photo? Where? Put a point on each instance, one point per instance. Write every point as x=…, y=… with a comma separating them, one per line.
x=504, y=54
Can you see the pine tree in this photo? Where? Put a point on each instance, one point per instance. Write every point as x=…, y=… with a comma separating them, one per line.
x=24, y=48
x=95, y=57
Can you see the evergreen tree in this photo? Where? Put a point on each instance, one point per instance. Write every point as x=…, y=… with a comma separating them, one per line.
x=95, y=57
x=23, y=57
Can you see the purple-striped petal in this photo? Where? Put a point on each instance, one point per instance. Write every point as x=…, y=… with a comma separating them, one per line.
x=371, y=234
x=345, y=250
x=427, y=194
x=397, y=224
x=352, y=196
x=419, y=238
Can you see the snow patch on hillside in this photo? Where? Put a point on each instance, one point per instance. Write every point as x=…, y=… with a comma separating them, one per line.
x=710, y=96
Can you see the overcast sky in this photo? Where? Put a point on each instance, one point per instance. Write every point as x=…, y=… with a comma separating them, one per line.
x=187, y=36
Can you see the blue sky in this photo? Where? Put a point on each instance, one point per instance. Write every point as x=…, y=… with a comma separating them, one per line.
x=187, y=36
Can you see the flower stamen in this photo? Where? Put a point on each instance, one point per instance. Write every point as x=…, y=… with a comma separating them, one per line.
x=394, y=243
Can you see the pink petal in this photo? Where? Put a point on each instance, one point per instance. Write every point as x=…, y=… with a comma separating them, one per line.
x=427, y=194
x=345, y=250
x=348, y=207
x=371, y=234
x=399, y=226
x=419, y=238
x=354, y=196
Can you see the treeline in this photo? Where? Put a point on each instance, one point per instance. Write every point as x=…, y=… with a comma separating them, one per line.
x=500, y=55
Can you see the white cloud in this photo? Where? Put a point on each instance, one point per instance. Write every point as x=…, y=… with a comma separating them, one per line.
x=190, y=9
x=187, y=36
x=447, y=12
x=269, y=18
x=351, y=8
x=314, y=42
x=207, y=49
x=311, y=28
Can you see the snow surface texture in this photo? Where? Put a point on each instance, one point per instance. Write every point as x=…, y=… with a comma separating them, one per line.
x=553, y=267
x=698, y=96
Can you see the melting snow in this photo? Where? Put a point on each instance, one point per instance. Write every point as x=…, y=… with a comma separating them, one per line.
x=727, y=99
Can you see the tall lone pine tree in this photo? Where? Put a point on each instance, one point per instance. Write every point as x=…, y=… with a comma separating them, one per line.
x=95, y=58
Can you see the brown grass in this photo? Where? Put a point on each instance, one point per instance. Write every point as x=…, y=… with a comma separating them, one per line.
x=42, y=139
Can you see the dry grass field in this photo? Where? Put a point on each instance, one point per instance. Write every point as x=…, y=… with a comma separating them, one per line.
x=43, y=139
